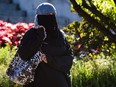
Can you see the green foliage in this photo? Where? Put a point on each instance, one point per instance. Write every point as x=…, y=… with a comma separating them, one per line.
x=6, y=55
x=100, y=14
x=99, y=72
x=107, y=7
x=95, y=50
x=87, y=39
x=93, y=73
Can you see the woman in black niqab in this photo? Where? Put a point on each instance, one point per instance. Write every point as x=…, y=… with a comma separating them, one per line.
x=54, y=36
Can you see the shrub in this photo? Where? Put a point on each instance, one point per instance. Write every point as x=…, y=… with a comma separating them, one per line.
x=11, y=33
x=6, y=55
x=94, y=73
x=85, y=73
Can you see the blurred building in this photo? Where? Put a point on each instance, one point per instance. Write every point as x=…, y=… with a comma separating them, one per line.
x=23, y=11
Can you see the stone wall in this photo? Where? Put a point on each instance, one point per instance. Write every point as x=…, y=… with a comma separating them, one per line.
x=64, y=15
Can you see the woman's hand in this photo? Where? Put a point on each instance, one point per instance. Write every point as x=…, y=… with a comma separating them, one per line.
x=43, y=58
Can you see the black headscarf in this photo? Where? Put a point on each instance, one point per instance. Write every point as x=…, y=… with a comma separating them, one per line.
x=53, y=33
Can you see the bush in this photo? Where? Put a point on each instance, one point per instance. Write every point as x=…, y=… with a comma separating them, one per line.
x=6, y=55
x=93, y=70
x=12, y=33
x=98, y=72
x=93, y=73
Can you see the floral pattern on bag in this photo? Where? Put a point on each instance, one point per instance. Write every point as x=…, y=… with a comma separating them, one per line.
x=21, y=71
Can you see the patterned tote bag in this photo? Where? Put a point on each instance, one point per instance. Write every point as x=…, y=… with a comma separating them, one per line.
x=21, y=71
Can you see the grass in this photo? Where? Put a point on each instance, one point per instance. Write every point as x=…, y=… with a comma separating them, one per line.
x=94, y=73
x=99, y=72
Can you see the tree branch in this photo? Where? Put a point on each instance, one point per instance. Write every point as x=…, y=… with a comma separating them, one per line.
x=103, y=18
x=114, y=1
x=93, y=21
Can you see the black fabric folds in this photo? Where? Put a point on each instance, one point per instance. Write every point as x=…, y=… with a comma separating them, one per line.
x=31, y=43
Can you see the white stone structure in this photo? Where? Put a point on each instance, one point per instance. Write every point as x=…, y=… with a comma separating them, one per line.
x=64, y=15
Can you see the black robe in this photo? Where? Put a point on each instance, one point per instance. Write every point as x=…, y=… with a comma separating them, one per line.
x=55, y=73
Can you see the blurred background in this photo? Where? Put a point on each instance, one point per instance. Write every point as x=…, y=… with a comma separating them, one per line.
x=24, y=11
x=90, y=29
